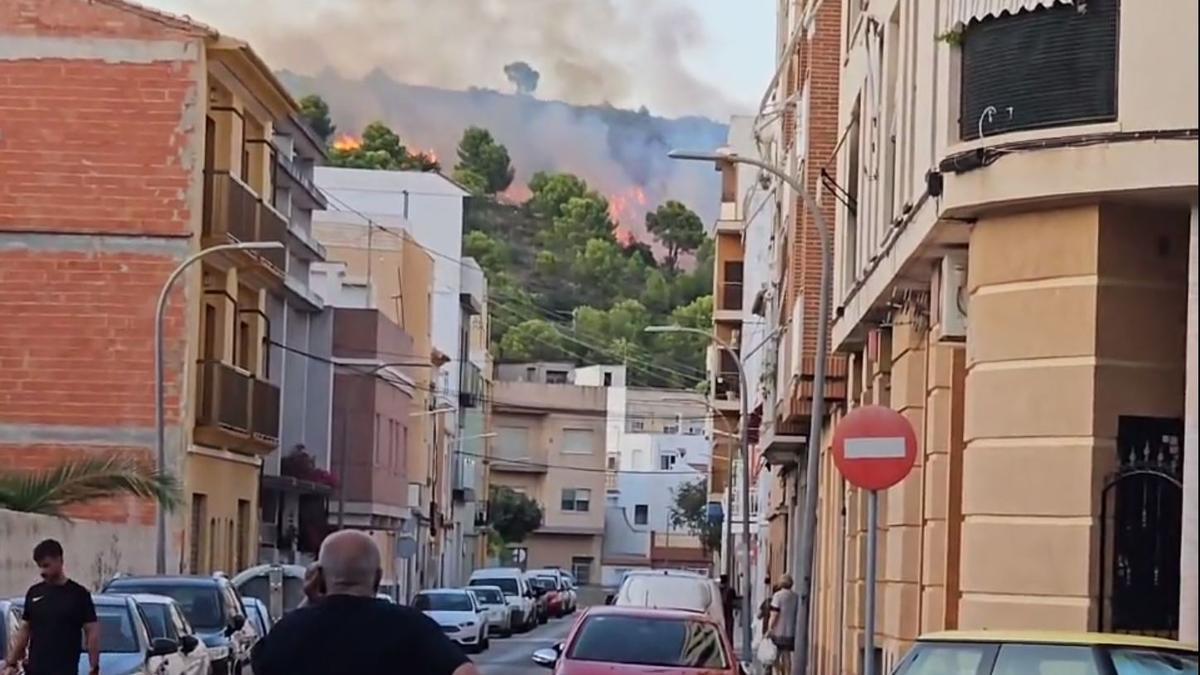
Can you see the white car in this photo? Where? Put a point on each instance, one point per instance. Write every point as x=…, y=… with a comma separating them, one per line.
x=522, y=604
x=164, y=619
x=491, y=598
x=455, y=610
x=671, y=589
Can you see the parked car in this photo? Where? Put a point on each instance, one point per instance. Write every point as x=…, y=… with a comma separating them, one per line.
x=549, y=599
x=1003, y=652
x=455, y=610
x=211, y=606
x=126, y=647
x=258, y=582
x=491, y=598
x=566, y=587
x=165, y=619
x=617, y=640
x=10, y=621
x=671, y=589
x=520, y=597
x=259, y=616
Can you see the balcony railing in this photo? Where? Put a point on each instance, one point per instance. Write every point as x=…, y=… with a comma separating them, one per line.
x=272, y=226
x=230, y=207
x=728, y=386
x=265, y=411
x=731, y=295
x=224, y=399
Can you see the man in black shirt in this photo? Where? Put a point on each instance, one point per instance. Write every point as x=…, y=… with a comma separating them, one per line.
x=55, y=612
x=349, y=631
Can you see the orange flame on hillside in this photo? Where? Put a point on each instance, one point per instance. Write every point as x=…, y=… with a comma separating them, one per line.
x=624, y=236
x=347, y=143
x=628, y=204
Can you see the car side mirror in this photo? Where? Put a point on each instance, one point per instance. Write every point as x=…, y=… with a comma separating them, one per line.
x=546, y=658
x=162, y=647
x=188, y=643
x=235, y=624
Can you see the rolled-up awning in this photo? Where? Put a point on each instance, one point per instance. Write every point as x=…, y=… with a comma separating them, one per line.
x=959, y=13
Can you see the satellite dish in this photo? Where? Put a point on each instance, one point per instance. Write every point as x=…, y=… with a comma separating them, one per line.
x=406, y=548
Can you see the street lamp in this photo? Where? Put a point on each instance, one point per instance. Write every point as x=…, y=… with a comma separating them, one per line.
x=812, y=461
x=160, y=445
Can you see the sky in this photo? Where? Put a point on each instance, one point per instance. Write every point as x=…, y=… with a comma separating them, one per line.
x=675, y=57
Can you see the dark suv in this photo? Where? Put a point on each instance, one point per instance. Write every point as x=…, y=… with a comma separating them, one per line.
x=214, y=609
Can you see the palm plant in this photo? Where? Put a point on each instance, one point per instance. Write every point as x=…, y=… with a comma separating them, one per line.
x=83, y=480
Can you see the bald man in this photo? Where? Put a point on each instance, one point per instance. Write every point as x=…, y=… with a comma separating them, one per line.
x=349, y=631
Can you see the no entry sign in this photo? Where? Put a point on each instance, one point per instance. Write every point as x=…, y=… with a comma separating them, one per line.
x=874, y=447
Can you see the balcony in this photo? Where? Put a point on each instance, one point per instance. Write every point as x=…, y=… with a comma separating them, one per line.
x=730, y=221
x=264, y=418
x=728, y=302
x=272, y=226
x=235, y=409
x=727, y=390
x=230, y=208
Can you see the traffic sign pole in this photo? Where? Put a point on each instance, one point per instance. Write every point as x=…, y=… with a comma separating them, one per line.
x=869, y=591
x=874, y=448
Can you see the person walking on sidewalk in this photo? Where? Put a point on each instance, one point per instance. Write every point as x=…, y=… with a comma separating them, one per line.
x=729, y=599
x=347, y=630
x=783, y=623
x=56, y=610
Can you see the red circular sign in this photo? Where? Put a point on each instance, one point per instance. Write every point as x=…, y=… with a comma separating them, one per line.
x=874, y=447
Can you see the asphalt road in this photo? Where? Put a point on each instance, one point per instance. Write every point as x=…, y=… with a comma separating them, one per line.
x=511, y=656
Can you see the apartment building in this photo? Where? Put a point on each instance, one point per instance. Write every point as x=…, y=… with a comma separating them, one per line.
x=295, y=482
x=1011, y=274
x=388, y=271
x=550, y=446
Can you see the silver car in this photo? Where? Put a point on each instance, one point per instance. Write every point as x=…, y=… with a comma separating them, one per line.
x=165, y=619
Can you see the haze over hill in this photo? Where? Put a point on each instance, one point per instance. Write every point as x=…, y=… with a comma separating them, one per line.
x=622, y=153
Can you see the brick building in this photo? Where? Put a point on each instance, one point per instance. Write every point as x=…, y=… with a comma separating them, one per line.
x=129, y=139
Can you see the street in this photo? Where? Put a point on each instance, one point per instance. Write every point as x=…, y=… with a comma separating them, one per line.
x=511, y=656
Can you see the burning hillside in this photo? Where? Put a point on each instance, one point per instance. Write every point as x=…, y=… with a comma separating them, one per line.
x=621, y=153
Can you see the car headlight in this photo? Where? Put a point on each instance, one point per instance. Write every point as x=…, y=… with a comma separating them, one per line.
x=218, y=653
x=467, y=624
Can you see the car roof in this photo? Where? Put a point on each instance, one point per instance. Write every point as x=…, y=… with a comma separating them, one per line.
x=497, y=572
x=181, y=580
x=443, y=590
x=666, y=573
x=1056, y=637
x=112, y=599
x=148, y=598
x=485, y=587
x=648, y=613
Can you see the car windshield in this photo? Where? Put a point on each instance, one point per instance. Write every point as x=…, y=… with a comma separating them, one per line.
x=201, y=604
x=680, y=643
x=1152, y=662
x=508, y=585
x=117, y=630
x=443, y=602
x=489, y=596
x=543, y=583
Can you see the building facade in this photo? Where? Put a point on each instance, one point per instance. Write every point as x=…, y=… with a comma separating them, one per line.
x=550, y=446
x=1001, y=229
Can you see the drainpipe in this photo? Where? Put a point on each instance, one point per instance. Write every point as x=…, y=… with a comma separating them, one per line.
x=1188, y=608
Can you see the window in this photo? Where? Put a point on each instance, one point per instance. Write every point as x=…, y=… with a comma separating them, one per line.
x=608, y=379
x=243, y=534
x=512, y=443
x=667, y=462
x=576, y=499
x=670, y=428
x=578, y=441
x=531, y=374
x=159, y=621
x=676, y=643
x=508, y=585
x=556, y=377
x=1048, y=67
x=641, y=514
x=581, y=569
x=936, y=659
x=1017, y=659
x=637, y=425
x=117, y=629
x=1152, y=662
x=196, y=545
x=443, y=602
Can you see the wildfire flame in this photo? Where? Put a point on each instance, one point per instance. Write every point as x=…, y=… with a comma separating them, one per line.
x=347, y=143
x=624, y=236
x=628, y=204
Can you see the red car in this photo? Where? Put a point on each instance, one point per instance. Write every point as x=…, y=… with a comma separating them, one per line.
x=635, y=640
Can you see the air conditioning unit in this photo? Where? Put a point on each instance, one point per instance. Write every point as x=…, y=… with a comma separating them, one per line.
x=948, y=310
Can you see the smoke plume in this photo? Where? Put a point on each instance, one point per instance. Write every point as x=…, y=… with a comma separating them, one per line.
x=523, y=76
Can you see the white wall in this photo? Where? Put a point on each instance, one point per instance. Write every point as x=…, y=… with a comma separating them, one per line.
x=93, y=551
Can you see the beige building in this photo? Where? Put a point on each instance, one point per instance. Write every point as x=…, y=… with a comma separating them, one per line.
x=1011, y=269
x=550, y=446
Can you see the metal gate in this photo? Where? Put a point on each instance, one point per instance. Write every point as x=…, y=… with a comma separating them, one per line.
x=1140, y=527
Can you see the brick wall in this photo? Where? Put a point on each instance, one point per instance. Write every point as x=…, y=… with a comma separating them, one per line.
x=100, y=128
